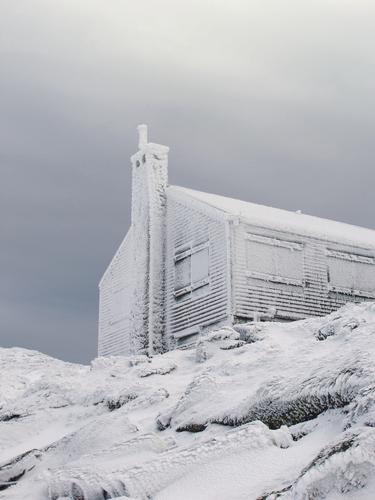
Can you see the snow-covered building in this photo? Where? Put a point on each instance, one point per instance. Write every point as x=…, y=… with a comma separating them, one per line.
x=193, y=261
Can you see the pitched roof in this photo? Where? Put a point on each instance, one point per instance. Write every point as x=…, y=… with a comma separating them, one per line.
x=284, y=220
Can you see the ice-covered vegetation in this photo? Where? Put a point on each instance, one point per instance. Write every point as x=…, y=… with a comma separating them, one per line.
x=261, y=411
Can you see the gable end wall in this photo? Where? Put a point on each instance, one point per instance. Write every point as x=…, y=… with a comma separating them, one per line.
x=115, y=303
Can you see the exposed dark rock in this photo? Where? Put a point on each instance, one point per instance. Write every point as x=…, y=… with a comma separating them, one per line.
x=191, y=428
x=163, y=423
x=248, y=333
x=11, y=481
x=232, y=345
x=12, y=471
x=275, y=413
x=115, y=404
x=11, y=416
x=77, y=492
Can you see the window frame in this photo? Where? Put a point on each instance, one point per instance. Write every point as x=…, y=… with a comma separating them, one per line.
x=186, y=252
x=348, y=256
x=275, y=242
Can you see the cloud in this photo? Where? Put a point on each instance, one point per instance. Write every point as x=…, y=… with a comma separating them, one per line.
x=267, y=101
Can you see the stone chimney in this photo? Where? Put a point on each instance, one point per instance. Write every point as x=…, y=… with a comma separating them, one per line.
x=149, y=182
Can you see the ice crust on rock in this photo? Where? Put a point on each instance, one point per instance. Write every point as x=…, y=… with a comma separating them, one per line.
x=288, y=411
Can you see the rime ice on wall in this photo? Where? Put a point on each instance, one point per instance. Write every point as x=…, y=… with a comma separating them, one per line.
x=116, y=302
x=207, y=259
x=193, y=226
x=132, y=289
x=293, y=273
x=150, y=177
x=280, y=264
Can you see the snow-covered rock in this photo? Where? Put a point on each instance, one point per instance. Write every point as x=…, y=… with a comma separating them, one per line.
x=264, y=410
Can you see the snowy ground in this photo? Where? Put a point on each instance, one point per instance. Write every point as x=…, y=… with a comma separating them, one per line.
x=262, y=412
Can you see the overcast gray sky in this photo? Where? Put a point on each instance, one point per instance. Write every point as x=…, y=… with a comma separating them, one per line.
x=265, y=100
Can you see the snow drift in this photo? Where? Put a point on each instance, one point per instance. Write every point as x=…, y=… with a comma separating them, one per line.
x=260, y=411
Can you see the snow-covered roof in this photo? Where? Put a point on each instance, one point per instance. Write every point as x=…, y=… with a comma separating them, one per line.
x=284, y=220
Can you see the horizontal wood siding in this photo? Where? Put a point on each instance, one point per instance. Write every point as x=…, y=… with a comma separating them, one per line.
x=115, y=312
x=192, y=224
x=251, y=295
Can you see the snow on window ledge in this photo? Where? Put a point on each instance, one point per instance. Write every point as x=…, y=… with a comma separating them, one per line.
x=191, y=270
x=275, y=279
x=349, y=291
x=266, y=240
x=364, y=259
x=188, y=289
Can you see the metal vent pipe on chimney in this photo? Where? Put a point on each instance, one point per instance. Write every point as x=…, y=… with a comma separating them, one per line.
x=142, y=136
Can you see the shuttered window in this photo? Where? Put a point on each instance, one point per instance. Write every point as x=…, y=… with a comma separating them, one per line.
x=183, y=273
x=199, y=267
x=191, y=269
x=275, y=260
x=351, y=273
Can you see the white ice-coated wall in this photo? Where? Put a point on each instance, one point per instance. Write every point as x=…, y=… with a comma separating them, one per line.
x=116, y=303
x=149, y=181
x=295, y=275
x=193, y=260
x=132, y=291
x=291, y=263
x=191, y=226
